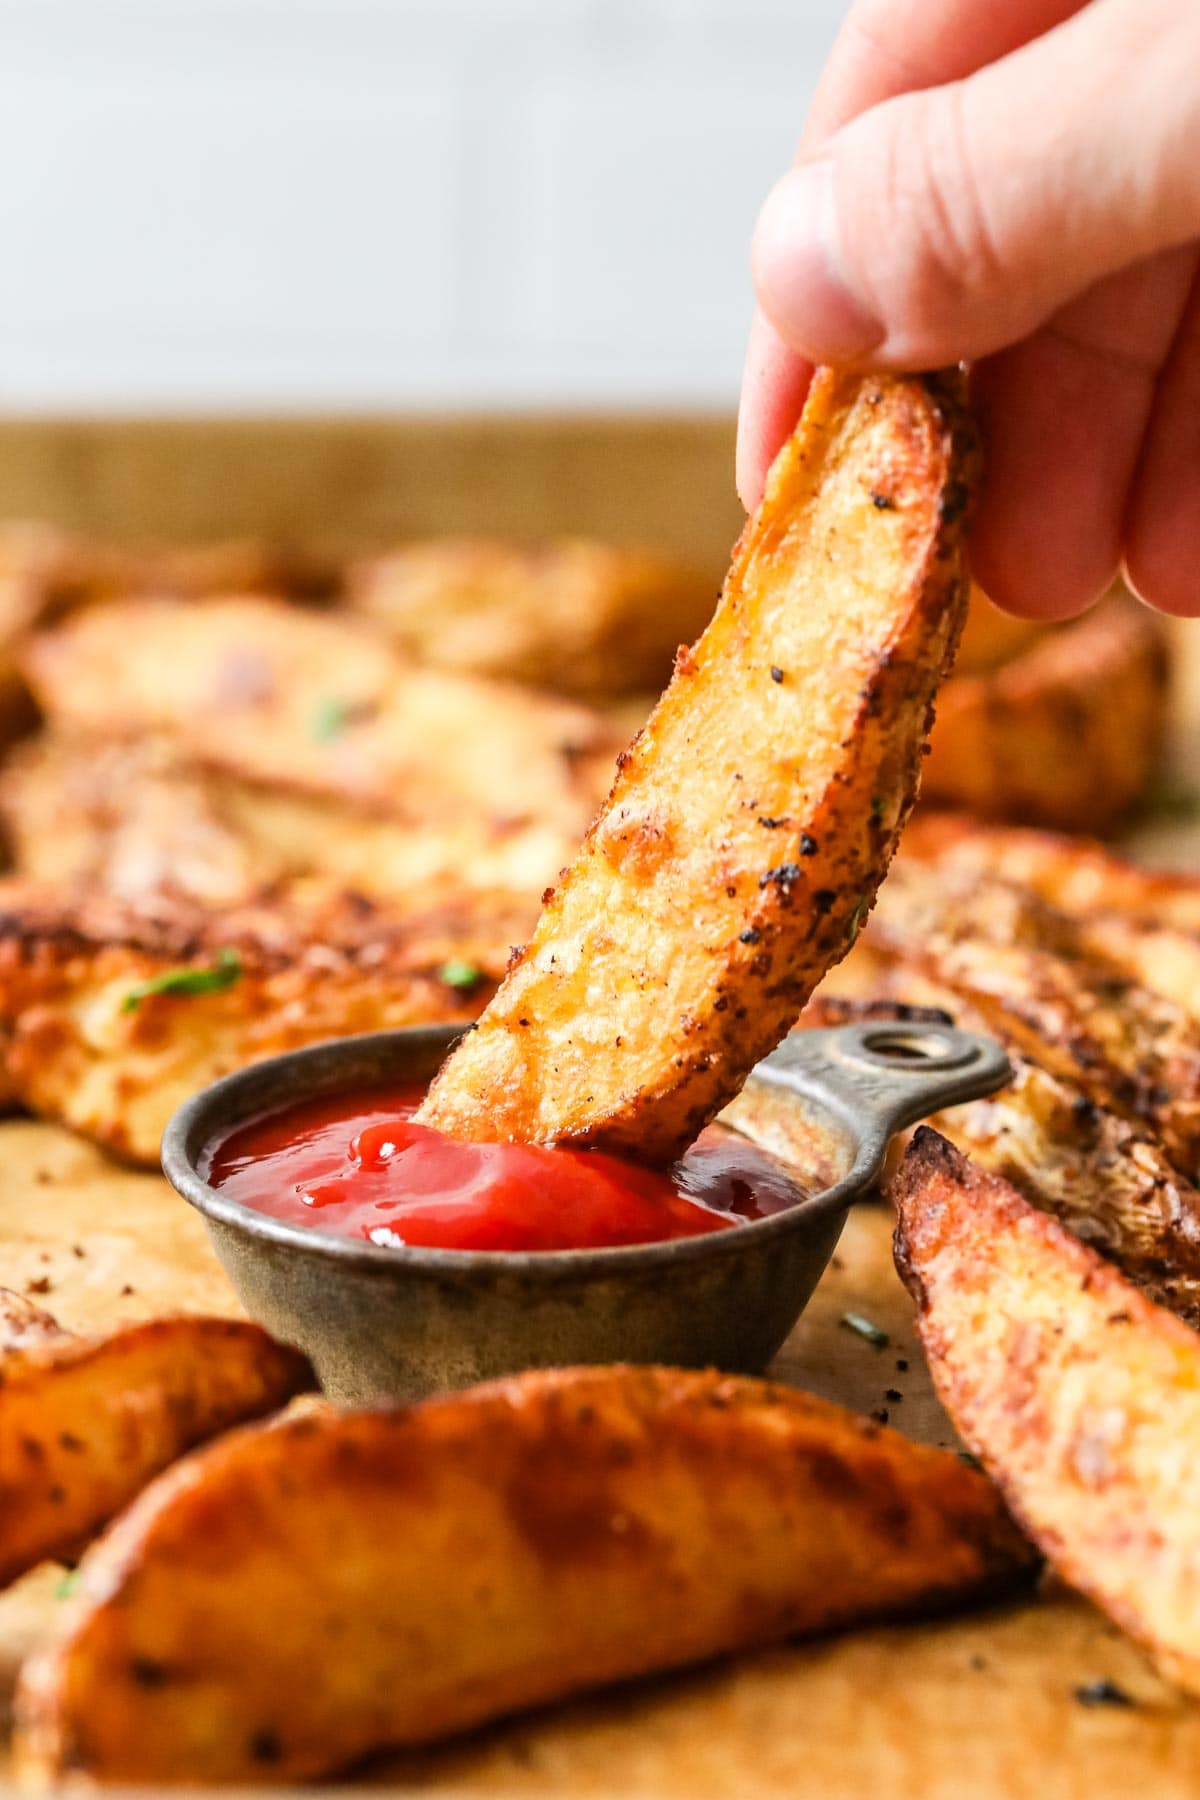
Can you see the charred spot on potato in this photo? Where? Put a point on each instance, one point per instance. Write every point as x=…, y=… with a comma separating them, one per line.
x=783, y=876
x=148, y=1672
x=266, y=1746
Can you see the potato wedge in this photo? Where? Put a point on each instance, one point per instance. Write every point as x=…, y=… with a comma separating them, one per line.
x=1107, y=1181
x=316, y=704
x=136, y=818
x=113, y=1012
x=1143, y=923
x=754, y=816
x=1066, y=733
x=483, y=1553
x=1079, y=1394
x=86, y=1422
x=1078, y=875
x=1026, y=970
x=583, y=618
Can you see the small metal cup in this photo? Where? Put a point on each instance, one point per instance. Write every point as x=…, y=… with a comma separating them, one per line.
x=383, y=1323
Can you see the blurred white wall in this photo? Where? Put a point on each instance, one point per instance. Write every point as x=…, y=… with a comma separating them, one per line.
x=323, y=203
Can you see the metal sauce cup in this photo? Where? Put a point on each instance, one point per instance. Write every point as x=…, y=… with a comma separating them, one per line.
x=398, y=1323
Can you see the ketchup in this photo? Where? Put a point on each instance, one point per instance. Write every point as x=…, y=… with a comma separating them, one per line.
x=358, y=1164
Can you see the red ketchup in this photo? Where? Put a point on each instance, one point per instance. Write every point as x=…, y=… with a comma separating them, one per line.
x=360, y=1166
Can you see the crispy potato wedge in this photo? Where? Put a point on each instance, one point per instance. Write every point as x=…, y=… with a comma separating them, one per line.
x=134, y=818
x=59, y=571
x=1143, y=923
x=1079, y=1394
x=1078, y=875
x=314, y=703
x=1107, y=1181
x=1026, y=971
x=1066, y=733
x=593, y=620
x=85, y=1423
x=475, y=1555
x=296, y=967
x=754, y=816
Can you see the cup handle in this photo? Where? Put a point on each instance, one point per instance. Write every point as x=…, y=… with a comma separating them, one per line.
x=879, y=1076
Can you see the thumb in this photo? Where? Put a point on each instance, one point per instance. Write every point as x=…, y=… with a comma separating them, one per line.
x=944, y=224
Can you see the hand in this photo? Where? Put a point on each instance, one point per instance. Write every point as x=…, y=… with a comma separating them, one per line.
x=1016, y=184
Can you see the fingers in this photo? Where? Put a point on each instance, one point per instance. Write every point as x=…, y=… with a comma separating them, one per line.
x=1063, y=416
x=774, y=383
x=946, y=224
x=1162, y=528
x=890, y=47
x=885, y=47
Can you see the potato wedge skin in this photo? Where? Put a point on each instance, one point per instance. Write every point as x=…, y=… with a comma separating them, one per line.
x=1066, y=733
x=754, y=816
x=487, y=1552
x=85, y=1423
x=1081, y=1397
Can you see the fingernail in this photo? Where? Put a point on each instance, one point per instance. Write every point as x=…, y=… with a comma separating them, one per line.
x=798, y=270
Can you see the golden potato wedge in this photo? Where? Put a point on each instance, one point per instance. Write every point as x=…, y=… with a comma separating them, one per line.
x=112, y=1013
x=583, y=618
x=1065, y=734
x=472, y=1556
x=86, y=1422
x=1078, y=875
x=136, y=818
x=1027, y=973
x=315, y=703
x=754, y=816
x=1107, y=1181
x=1079, y=1394
x=1143, y=923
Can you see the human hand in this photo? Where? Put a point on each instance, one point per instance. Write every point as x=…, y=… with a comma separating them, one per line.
x=1015, y=184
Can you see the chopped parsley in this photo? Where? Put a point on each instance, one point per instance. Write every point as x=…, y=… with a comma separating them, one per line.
x=459, y=974
x=67, y=1585
x=220, y=974
x=330, y=718
x=866, y=1328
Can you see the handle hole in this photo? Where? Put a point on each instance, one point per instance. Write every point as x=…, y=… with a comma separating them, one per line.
x=909, y=1048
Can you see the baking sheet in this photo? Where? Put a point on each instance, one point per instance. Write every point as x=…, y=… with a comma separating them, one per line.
x=985, y=1706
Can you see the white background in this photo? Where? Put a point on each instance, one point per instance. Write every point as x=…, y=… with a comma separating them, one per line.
x=376, y=203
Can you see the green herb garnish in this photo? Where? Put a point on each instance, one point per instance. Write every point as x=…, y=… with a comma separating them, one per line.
x=866, y=1328
x=219, y=975
x=67, y=1585
x=459, y=974
x=331, y=717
